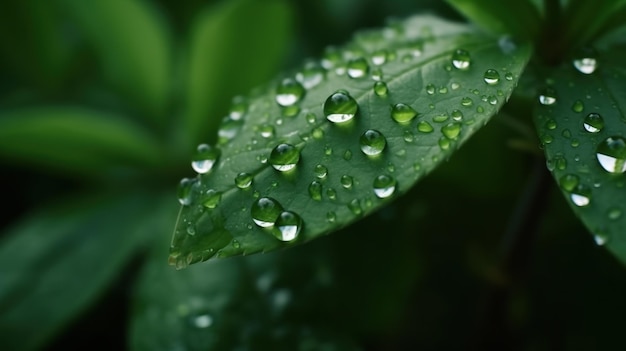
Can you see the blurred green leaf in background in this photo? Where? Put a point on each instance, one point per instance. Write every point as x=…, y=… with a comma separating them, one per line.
x=103, y=102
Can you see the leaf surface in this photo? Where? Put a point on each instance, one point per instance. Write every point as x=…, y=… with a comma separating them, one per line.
x=333, y=182
x=582, y=131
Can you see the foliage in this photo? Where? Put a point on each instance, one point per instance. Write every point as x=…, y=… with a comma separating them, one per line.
x=423, y=143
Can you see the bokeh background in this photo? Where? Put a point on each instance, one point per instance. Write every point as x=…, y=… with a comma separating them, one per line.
x=101, y=106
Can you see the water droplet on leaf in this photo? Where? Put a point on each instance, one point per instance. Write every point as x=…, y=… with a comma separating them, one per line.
x=265, y=211
x=340, y=107
x=284, y=157
x=204, y=158
x=289, y=225
x=315, y=190
x=185, y=191
x=243, y=180
x=372, y=142
x=424, y=127
x=461, y=59
x=289, y=92
x=611, y=154
x=380, y=88
x=451, y=130
x=384, y=186
x=581, y=195
x=547, y=96
x=593, y=123
x=358, y=68
x=491, y=77
x=402, y=113
x=320, y=171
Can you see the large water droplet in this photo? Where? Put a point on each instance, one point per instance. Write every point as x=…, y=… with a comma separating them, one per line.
x=547, y=96
x=402, y=113
x=461, y=59
x=311, y=75
x=289, y=92
x=611, y=154
x=204, y=158
x=384, y=186
x=491, y=76
x=372, y=142
x=358, y=68
x=243, y=180
x=284, y=157
x=289, y=225
x=585, y=62
x=593, y=123
x=581, y=195
x=451, y=130
x=265, y=211
x=466, y=101
x=340, y=107
x=185, y=191
x=315, y=190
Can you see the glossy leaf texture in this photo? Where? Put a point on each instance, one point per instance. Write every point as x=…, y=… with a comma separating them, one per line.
x=338, y=139
x=582, y=126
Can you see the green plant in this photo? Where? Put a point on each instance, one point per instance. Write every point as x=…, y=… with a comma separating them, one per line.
x=103, y=103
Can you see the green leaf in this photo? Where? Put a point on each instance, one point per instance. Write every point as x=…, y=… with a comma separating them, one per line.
x=282, y=299
x=585, y=20
x=334, y=182
x=75, y=140
x=57, y=261
x=134, y=49
x=583, y=125
x=518, y=18
x=233, y=47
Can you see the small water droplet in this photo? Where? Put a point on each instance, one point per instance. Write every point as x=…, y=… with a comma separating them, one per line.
x=185, y=191
x=402, y=113
x=384, y=186
x=444, y=143
x=443, y=90
x=430, y=89
x=355, y=207
x=461, y=59
x=289, y=225
x=593, y=123
x=551, y=124
x=581, y=195
x=547, y=96
x=424, y=127
x=611, y=154
x=380, y=88
x=311, y=75
x=451, y=130
x=340, y=107
x=191, y=229
x=408, y=136
x=238, y=109
x=315, y=190
x=372, y=142
x=265, y=211
x=289, y=92
x=358, y=68
x=320, y=171
x=585, y=62
x=379, y=57
x=331, y=193
x=212, y=198
x=377, y=74
x=466, y=101
x=491, y=76
x=508, y=76
x=204, y=158
x=569, y=182
x=347, y=155
x=243, y=180
x=346, y=181
x=440, y=118
x=600, y=239
x=317, y=133
x=457, y=115
x=492, y=100
x=266, y=131
x=311, y=118
x=614, y=213
x=201, y=321
x=331, y=217
x=228, y=130
x=578, y=106
x=284, y=157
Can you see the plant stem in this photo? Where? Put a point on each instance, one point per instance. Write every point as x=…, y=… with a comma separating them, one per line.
x=495, y=326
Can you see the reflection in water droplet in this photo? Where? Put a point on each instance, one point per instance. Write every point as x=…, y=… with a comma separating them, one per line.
x=600, y=239
x=331, y=193
x=340, y=107
x=569, y=182
x=466, y=101
x=461, y=59
x=611, y=154
x=593, y=123
x=204, y=158
x=346, y=181
x=331, y=217
x=424, y=127
x=430, y=89
x=379, y=57
x=451, y=130
x=384, y=186
x=355, y=207
x=289, y=92
x=243, y=180
x=491, y=77
x=586, y=65
x=508, y=76
x=581, y=195
x=444, y=143
x=320, y=171
x=289, y=225
x=265, y=211
x=358, y=68
x=185, y=191
x=578, y=106
x=311, y=75
x=547, y=96
x=201, y=321
x=315, y=190
x=284, y=157
x=266, y=131
x=380, y=88
x=372, y=142
x=614, y=213
x=212, y=198
x=457, y=115
x=402, y=113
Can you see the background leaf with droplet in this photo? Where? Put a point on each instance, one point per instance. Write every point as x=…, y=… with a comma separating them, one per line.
x=582, y=125
x=442, y=82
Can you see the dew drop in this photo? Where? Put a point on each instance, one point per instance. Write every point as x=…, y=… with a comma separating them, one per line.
x=444, y=143
x=320, y=171
x=384, y=186
x=212, y=198
x=585, y=65
x=377, y=74
x=331, y=193
x=372, y=142
x=508, y=76
x=355, y=207
x=379, y=57
x=614, y=213
x=402, y=113
x=311, y=75
x=547, y=96
x=424, y=127
x=408, y=136
x=440, y=118
x=228, y=130
x=238, y=109
x=201, y=321
x=185, y=191
x=461, y=59
x=289, y=225
x=331, y=217
x=466, y=101
x=451, y=130
x=578, y=106
x=289, y=92
x=311, y=118
x=593, y=123
x=611, y=154
x=315, y=190
x=243, y=180
x=569, y=182
x=551, y=124
x=266, y=131
x=430, y=89
x=284, y=157
x=380, y=89
x=491, y=76
x=346, y=181
x=358, y=68
x=204, y=158
x=340, y=107
x=581, y=195
x=600, y=239
x=265, y=211
x=457, y=115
